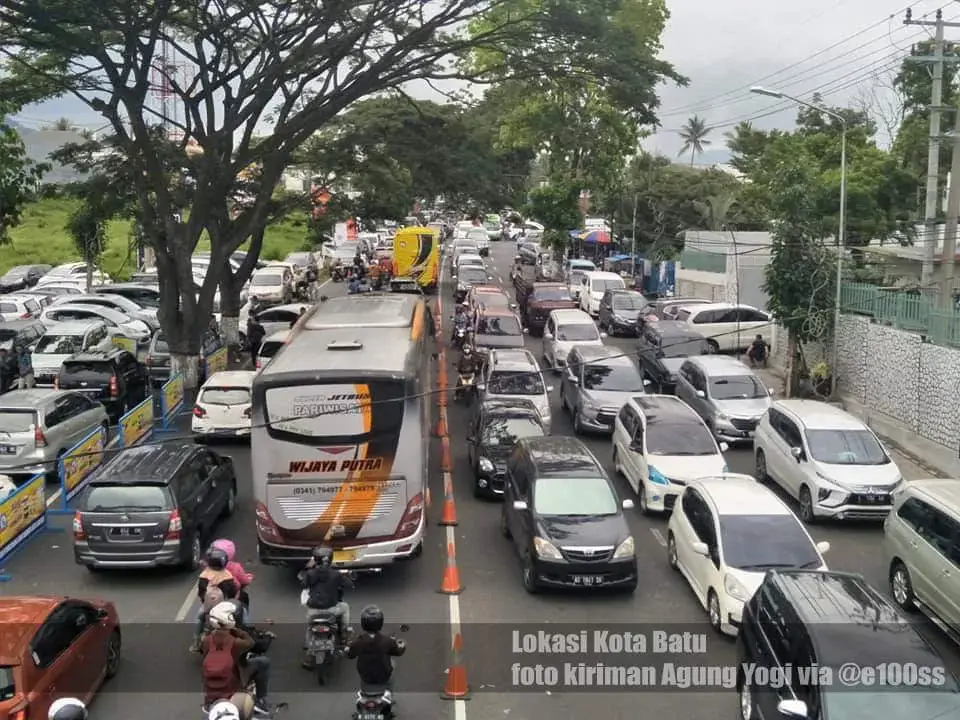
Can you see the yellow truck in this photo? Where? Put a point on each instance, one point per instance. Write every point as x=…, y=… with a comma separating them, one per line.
x=416, y=260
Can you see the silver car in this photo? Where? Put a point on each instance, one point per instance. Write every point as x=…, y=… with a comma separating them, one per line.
x=120, y=303
x=512, y=374
x=725, y=393
x=564, y=329
x=60, y=341
x=38, y=426
x=598, y=382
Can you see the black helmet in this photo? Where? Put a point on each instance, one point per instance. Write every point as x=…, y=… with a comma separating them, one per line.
x=371, y=619
x=323, y=555
x=217, y=559
x=67, y=709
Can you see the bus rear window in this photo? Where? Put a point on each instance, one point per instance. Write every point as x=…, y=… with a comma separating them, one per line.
x=345, y=410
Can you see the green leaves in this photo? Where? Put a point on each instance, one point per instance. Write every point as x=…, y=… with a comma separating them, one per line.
x=19, y=177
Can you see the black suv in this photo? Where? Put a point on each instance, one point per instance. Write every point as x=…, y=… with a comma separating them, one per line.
x=158, y=356
x=661, y=349
x=494, y=430
x=826, y=620
x=153, y=505
x=112, y=377
x=15, y=334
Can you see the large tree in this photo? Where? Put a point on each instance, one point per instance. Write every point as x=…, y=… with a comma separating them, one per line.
x=18, y=179
x=231, y=67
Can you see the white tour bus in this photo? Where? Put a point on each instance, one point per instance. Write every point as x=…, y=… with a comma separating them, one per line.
x=341, y=435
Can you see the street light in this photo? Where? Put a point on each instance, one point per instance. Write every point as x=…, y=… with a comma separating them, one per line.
x=842, y=232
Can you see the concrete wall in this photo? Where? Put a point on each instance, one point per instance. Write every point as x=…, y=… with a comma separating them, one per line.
x=696, y=283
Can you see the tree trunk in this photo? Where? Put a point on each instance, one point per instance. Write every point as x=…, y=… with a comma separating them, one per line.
x=792, y=366
x=89, y=277
x=230, y=308
x=189, y=366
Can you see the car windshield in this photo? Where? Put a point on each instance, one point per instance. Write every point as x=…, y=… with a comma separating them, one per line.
x=582, y=265
x=466, y=248
x=16, y=421
x=7, y=338
x=680, y=346
x=8, y=307
x=621, y=377
x=764, y=542
x=472, y=275
x=572, y=497
x=846, y=447
x=60, y=344
x=499, y=325
x=502, y=430
x=601, y=284
x=17, y=272
x=467, y=261
x=578, y=332
x=516, y=383
x=628, y=302
x=553, y=294
x=225, y=396
x=679, y=438
x=106, y=498
x=736, y=387
x=271, y=279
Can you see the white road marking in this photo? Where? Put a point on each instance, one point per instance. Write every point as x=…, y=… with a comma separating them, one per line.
x=53, y=498
x=659, y=536
x=187, y=605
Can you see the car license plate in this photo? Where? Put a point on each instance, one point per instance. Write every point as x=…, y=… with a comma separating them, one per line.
x=344, y=556
x=370, y=716
x=587, y=579
x=126, y=532
x=8, y=449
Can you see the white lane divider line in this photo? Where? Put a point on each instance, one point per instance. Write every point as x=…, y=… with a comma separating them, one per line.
x=459, y=706
x=56, y=496
x=187, y=605
x=659, y=536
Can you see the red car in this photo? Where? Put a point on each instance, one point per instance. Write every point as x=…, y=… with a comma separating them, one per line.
x=54, y=647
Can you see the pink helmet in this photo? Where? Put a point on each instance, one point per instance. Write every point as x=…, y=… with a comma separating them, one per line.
x=227, y=546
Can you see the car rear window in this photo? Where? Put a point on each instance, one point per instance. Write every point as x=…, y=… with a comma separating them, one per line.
x=14, y=421
x=269, y=349
x=8, y=686
x=225, y=396
x=7, y=337
x=8, y=307
x=60, y=344
x=553, y=294
x=85, y=370
x=106, y=498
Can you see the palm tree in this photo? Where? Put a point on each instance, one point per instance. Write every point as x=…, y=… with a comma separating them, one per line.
x=715, y=210
x=62, y=124
x=694, y=136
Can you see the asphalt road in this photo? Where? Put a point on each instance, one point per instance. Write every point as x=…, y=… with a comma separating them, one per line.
x=159, y=679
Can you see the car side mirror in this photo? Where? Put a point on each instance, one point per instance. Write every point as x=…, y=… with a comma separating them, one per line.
x=548, y=336
x=471, y=438
x=102, y=613
x=526, y=331
x=519, y=505
x=700, y=548
x=797, y=453
x=637, y=446
x=627, y=504
x=572, y=379
x=792, y=708
x=823, y=547
x=770, y=392
x=701, y=394
x=513, y=306
x=724, y=447
x=646, y=382
x=603, y=335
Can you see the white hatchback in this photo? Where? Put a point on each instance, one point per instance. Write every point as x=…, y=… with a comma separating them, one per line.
x=563, y=330
x=223, y=405
x=724, y=536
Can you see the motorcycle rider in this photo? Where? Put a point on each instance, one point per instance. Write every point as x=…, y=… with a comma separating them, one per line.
x=374, y=653
x=67, y=709
x=324, y=586
x=461, y=320
x=214, y=575
x=466, y=369
x=223, y=651
x=238, y=707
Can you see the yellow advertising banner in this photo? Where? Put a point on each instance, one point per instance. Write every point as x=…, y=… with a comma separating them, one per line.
x=137, y=423
x=83, y=459
x=217, y=361
x=128, y=344
x=21, y=512
x=172, y=394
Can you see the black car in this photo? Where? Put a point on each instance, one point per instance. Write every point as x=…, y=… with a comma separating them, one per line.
x=829, y=622
x=22, y=277
x=494, y=430
x=112, y=377
x=662, y=347
x=153, y=505
x=143, y=295
x=619, y=310
x=158, y=356
x=562, y=513
x=15, y=334
x=467, y=278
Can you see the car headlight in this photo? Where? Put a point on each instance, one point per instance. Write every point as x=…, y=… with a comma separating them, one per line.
x=829, y=497
x=723, y=416
x=485, y=465
x=627, y=549
x=656, y=477
x=735, y=588
x=589, y=405
x=545, y=549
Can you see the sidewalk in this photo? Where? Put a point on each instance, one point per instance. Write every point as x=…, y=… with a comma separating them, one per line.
x=917, y=456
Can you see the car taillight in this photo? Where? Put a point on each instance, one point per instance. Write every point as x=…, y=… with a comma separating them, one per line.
x=371, y=705
x=114, y=390
x=78, y=533
x=148, y=360
x=39, y=439
x=175, y=526
x=411, y=517
x=26, y=316
x=199, y=411
x=258, y=363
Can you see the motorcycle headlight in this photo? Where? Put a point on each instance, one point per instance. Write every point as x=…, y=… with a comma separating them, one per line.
x=627, y=549
x=485, y=465
x=546, y=549
x=735, y=588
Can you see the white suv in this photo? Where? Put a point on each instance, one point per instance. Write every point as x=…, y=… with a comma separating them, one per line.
x=515, y=374
x=593, y=285
x=827, y=459
x=727, y=327
x=659, y=445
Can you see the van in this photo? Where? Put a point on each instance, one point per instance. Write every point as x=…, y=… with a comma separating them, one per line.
x=727, y=327
x=593, y=285
x=416, y=260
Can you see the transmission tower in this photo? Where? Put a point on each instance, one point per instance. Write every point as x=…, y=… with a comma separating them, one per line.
x=165, y=69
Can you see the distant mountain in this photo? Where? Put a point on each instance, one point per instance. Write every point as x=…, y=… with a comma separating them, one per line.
x=714, y=156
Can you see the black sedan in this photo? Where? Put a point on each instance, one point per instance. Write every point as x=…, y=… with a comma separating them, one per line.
x=661, y=349
x=467, y=278
x=494, y=430
x=619, y=310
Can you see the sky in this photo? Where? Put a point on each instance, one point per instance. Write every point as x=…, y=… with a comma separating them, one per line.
x=847, y=50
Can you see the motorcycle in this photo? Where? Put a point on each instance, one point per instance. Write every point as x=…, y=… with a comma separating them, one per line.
x=459, y=337
x=376, y=703
x=465, y=386
x=325, y=643
x=338, y=274
x=302, y=291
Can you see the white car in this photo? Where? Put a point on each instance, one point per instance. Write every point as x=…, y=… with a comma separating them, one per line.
x=479, y=236
x=113, y=302
x=659, y=445
x=469, y=260
x=74, y=273
x=829, y=460
x=18, y=307
x=724, y=536
x=563, y=330
x=274, y=319
x=42, y=299
x=223, y=405
x=726, y=326
x=573, y=277
x=515, y=374
x=63, y=340
x=593, y=284
x=118, y=324
x=269, y=347
x=272, y=285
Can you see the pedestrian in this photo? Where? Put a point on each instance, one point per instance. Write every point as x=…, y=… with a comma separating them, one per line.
x=255, y=335
x=25, y=368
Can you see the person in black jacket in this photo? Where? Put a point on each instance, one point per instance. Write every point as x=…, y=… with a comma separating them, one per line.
x=374, y=653
x=324, y=586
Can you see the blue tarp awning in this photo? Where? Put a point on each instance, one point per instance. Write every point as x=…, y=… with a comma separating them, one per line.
x=618, y=258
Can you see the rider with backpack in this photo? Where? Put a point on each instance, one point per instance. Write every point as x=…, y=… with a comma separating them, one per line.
x=224, y=649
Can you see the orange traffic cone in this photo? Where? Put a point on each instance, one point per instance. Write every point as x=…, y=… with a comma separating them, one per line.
x=442, y=423
x=449, y=516
x=442, y=375
x=442, y=397
x=446, y=461
x=455, y=688
x=451, y=575
x=429, y=498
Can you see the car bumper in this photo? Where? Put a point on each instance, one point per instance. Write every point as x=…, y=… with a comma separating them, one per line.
x=730, y=434
x=731, y=610
x=170, y=554
x=159, y=373
x=598, y=422
x=490, y=484
x=615, y=573
x=212, y=430
x=662, y=498
x=848, y=511
x=626, y=327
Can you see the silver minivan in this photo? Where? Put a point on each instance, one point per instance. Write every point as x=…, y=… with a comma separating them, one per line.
x=922, y=548
x=727, y=394
x=598, y=382
x=514, y=373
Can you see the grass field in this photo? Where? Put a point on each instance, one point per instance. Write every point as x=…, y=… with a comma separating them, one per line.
x=42, y=238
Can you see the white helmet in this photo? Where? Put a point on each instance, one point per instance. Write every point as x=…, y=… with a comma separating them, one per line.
x=223, y=616
x=223, y=710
